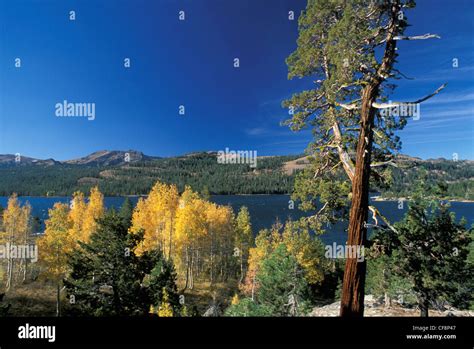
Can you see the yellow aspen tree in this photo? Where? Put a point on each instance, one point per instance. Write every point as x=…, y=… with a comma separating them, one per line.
x=140, y=223
x=170, y=202
x=219, y=229
x=54, y=247
x=76, y=215
x=24, y=234
x=304, y=248
x=211, y=220
x=16, y=221
x=94, y=210
x=243, y=238
x=190, y=227
x=226, y=241
x=155, y=216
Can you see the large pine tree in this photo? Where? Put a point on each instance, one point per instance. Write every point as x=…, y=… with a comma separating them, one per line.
x=349, y=48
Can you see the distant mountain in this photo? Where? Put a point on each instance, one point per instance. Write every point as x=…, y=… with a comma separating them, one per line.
x=111, y=158
x=98, y=158
x=10, y=160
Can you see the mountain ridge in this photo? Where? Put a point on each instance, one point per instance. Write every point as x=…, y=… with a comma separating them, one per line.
x=100, y=157
x=123, y=157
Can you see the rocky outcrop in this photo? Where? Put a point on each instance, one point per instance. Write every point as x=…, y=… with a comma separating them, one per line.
x=376, y=307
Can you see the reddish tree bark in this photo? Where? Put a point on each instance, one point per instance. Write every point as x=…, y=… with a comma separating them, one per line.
x=352, y=300
x=353, y=287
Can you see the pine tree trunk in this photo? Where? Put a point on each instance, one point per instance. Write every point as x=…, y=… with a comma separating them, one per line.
x=352, y=298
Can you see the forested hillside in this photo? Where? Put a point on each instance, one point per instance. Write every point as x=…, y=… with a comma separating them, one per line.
x=273, y=175
x=199, y=170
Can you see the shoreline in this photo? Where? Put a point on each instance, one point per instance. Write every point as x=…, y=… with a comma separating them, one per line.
x=371, y=198
x=382, y=199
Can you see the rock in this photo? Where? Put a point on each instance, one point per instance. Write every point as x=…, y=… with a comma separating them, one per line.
x=374, y=307
x=212, y=311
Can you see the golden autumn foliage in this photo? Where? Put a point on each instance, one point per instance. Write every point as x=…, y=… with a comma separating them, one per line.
x=155, y=215
x=76, y=215
x=93, y=211
x=308, y=252
x=235, y=299
x=66, y=225
x=83, y=215
x=199, y=236
x=56, y=242
x=16, y=228
x=165, y=309
x=16, y=221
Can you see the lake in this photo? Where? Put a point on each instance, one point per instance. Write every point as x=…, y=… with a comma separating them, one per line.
x=264, y=210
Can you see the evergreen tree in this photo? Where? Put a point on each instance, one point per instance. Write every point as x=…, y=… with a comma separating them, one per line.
x=431, y=250
x=108, y=278
x=126, y=211
x=161, y=281
x=338, y=47
x=106, y=274
x=282, y=284
x=248, y=308
x=382, y=281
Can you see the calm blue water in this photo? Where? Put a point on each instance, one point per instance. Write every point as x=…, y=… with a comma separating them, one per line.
x=264, y=210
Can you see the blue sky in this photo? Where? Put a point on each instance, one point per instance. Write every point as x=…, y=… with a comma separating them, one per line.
x=190, y=63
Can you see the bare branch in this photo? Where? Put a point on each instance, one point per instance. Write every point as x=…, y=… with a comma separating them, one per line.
x=343, y=155
x=417, y=37
x=321, y=169
x=394, y=104
x=374, y=215
x=380, y=164
x=402, y=75
x=376, y=212
x=317, y=214
x=351, y=106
